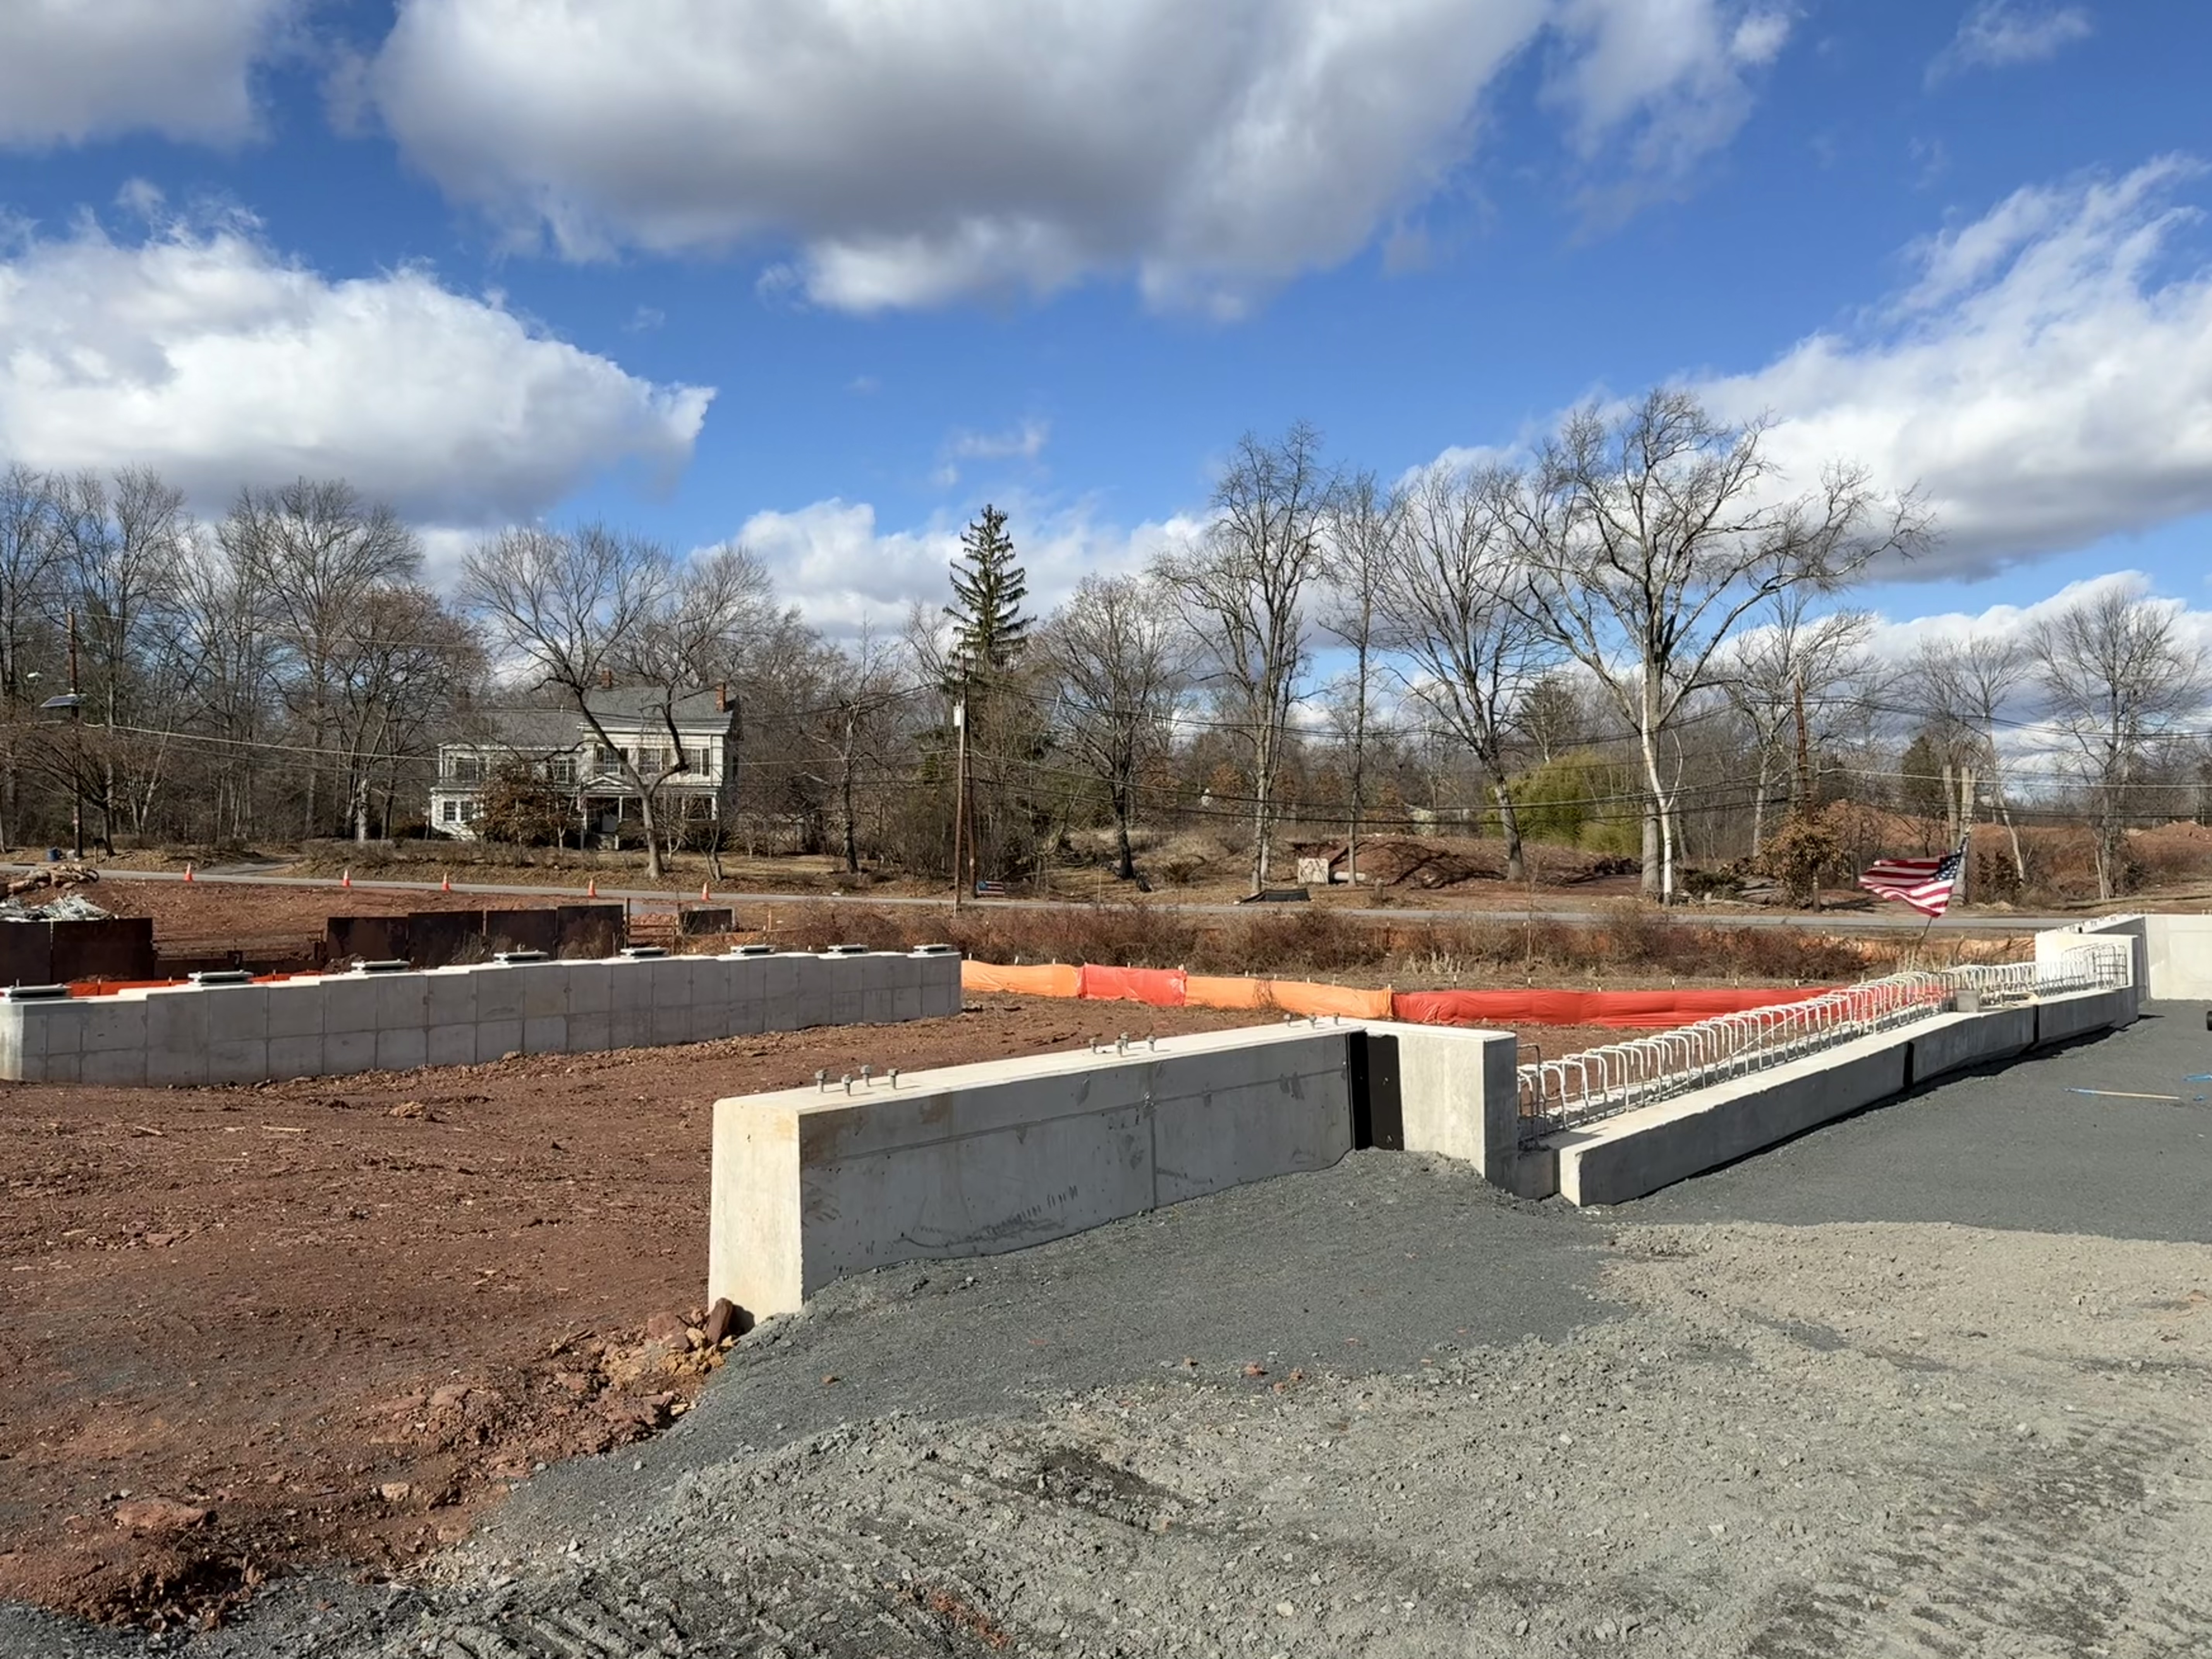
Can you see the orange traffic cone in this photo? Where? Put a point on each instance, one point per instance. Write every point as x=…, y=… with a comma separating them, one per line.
x=188, y=871
x=446, y=884
x=345, y=876
x=592, y=888
x=703, y=893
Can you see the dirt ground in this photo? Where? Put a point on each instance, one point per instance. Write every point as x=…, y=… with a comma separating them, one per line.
x=242, y=1328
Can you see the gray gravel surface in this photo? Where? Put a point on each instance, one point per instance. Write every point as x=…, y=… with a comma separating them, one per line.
x=1479, y=1428
x=2012, y=1147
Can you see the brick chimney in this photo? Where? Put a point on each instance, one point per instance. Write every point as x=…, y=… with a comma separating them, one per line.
x=606, y=679
x=722, y=698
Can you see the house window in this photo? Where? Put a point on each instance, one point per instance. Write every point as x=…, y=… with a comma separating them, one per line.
x=562, y=768
x=701, y=761
x=449, y=811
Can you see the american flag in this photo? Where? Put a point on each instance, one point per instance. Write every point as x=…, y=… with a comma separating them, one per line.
x=1926, y=884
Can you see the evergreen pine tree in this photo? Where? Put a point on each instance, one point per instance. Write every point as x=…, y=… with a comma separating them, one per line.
x=989, y=630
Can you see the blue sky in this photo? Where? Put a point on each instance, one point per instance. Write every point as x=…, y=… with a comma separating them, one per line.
x=827, y=275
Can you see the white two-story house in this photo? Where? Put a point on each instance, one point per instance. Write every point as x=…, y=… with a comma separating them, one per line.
x=560, y=747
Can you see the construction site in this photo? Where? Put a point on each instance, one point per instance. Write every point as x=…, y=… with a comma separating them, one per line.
x=941, y=830
x=614, y=1278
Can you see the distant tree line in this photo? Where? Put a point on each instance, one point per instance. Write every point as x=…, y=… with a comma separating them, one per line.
x=1635, y=641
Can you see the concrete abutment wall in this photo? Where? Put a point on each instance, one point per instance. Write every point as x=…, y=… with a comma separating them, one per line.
x=809, y=1186
x=1627, y=1156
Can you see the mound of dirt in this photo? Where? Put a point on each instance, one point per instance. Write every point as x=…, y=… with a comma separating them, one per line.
x=1415, y=861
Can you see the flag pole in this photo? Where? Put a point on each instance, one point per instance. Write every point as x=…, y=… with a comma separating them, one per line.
x=1921, y=943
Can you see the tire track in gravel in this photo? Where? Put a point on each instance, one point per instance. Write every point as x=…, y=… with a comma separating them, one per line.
x=2033, y=1553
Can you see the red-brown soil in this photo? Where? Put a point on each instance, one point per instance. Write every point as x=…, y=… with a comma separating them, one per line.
x=243, y=1328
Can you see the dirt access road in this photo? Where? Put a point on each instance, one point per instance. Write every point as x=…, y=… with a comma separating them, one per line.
x=1895, y=1390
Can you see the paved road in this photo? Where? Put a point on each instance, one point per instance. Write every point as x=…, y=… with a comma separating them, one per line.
x=1862, y=921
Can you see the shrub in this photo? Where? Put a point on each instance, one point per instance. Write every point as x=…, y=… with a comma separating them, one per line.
x=520, y=810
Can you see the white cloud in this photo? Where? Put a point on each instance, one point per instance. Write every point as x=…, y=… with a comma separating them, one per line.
x=1667, y=79
x=1999, y=33
x=1024, y=442
x=200, y=352
x=2047, y=379
x=77, y=70
x=917, y=153
x=1894, y=639
x=841, y=569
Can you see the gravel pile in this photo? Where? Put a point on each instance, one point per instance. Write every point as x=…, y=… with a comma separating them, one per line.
x=1873, y=1439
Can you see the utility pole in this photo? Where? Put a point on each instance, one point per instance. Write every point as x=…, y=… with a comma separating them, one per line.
x=959, y=791
x=76, y=756
x=1804, y=791
x=1807, y=805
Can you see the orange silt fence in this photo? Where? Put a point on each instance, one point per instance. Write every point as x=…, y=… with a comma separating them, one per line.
x=1633, y=1009
x=1171, y=987
x=1289, y=996
x=1160, y=987
x=1054, y=980
x=1295, y=996
x=1214, y=991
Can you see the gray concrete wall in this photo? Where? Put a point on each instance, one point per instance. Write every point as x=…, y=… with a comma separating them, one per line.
x=339, y=1024
x=1458, y=1097
x=2180, y=958
x=2058, y=1018
x=973, y=1160
x=1640, y=1151
x=2052, y=945
x=1952, y=1042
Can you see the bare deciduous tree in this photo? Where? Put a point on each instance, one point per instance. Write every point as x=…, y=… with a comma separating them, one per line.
x=1361, y=524
x=1969, y=685
x=399, y=661
x=568, y=603
x=860, y=689
x=691, y=637
x=1452, y=601
x=1651, y=534
x=124, y=540
x=30, y=569
x=223, y=625
x=1244, y=591
x=1792, y=660
x=584, y=605
x=314, y=551
x=2117, y=675
x=1118, y=659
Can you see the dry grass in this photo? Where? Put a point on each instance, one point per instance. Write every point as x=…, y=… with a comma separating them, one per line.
x=1632, y=941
